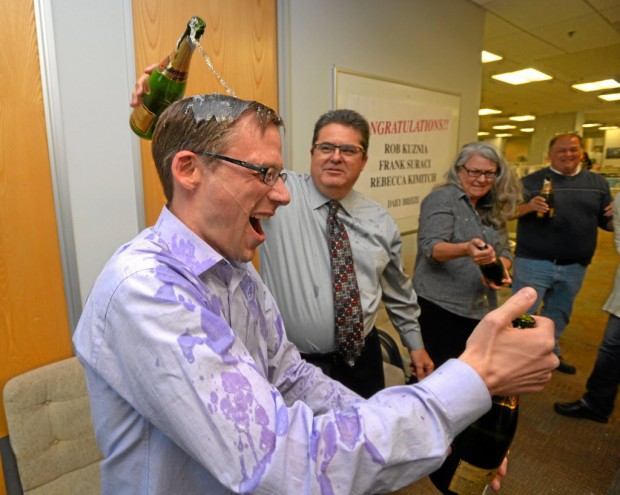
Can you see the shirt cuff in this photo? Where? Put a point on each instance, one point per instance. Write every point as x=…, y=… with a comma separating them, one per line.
x=461, y=390
x=412, y=340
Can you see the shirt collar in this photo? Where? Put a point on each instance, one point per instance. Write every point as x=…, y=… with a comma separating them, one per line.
x=318, y=199
x=577, y=170
x=184, y=245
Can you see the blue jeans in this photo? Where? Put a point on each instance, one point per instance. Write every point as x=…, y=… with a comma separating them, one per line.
x=556, y=286
x=602, y=385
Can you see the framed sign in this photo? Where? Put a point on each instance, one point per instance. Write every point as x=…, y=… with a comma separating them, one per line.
x=413, y=140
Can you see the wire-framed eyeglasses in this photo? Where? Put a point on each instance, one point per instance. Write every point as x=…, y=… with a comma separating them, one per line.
x=270, y=174
x=348, y=150
x=489, y=175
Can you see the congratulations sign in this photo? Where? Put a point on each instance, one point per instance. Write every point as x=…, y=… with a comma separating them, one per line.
x=413, y=140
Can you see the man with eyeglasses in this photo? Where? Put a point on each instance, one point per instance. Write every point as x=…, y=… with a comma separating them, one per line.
x=552, y=254
x=295, y=259
x=194, y=386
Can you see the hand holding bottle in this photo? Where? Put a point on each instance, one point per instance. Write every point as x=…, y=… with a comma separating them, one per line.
x=141, y=86
x=480, y=252
x=546, y=193
x=494, y=272
x=538, y=205
x=168, y=83
x=512, y=361
x=499, y=344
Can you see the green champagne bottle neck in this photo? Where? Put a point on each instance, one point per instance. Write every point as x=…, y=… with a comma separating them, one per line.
x=176, y=65
x=167, y=83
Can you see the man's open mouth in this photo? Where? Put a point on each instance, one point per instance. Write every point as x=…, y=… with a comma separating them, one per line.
x=256, y=225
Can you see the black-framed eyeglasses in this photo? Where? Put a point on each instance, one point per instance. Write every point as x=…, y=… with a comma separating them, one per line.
x=270, y=174
x=477, y=173
x=348, y=150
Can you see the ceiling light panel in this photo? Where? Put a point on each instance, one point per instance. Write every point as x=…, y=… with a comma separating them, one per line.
x=522, y=76
x=597, y=85
x=489, y=57
x=488, y=111
x=522, y=118
x=610, y=97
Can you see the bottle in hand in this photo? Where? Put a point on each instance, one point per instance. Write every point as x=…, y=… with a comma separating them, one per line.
x=478, y=452
x=167, y=82
x=493, y=272
x=547, y=193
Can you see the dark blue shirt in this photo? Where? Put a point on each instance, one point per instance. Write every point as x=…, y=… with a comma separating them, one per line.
x=580, y=202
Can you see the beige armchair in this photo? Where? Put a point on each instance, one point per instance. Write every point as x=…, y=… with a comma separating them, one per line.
x=50, y=432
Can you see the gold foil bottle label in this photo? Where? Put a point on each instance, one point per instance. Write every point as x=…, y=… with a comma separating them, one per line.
x=142, y=118
x=471, y=480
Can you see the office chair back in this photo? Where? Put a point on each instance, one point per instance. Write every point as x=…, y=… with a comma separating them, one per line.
x=50, y=431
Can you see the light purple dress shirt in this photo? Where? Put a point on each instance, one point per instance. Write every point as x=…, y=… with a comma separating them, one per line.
x=195, y=389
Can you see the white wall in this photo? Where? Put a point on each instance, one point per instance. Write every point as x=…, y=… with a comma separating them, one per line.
x=429, y=43
x=88, y=72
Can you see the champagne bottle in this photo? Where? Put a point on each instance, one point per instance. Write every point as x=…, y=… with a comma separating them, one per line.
x=478, y=452
x=547, y=193
x=493, y=272
x=167, y=82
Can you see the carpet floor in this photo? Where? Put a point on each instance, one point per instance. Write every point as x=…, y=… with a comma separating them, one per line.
x=552, y=454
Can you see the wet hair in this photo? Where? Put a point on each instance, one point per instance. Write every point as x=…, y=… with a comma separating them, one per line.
x=349, y=118
x=201, y=123
x=564, y=134
x=501, y=201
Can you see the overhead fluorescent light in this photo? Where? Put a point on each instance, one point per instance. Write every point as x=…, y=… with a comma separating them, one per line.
x=527, y=129
x=522, y=118
x=610, y=97
x=597, y=85
x=489, y=57
x=593, y=124
x=503, y=135
x=488, y=111
x=607, y=128
x=483, y=133
x=522, y=76
x=504, y=126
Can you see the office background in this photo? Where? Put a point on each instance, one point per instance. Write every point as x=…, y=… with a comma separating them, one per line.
x=75, y=183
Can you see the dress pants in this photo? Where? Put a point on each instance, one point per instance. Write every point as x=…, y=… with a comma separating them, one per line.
x=444, y=333
x=602, y=385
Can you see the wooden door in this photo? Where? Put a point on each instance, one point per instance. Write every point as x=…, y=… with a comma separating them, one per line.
x=34, y=326
x=241, y=41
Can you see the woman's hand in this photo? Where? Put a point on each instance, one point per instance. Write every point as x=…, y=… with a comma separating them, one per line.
x=481, y=252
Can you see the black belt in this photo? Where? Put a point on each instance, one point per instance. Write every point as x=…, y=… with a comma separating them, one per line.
x=330, y=356
x=569, y=261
